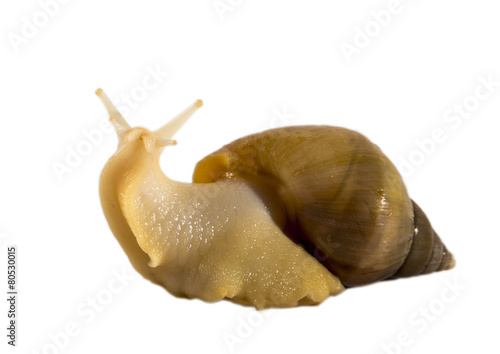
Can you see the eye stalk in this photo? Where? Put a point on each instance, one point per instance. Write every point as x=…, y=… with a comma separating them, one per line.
x=168, y=130
x=161, y=137
x=116, y=118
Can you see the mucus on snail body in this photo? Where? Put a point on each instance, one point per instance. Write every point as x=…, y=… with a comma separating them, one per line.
x=301, y=213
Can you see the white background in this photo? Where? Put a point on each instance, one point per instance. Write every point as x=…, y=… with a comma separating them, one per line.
x=249, y=65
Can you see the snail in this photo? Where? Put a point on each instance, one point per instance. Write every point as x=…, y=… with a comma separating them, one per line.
x=280, y=218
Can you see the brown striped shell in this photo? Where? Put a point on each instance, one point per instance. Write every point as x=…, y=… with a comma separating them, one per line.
x=335, y=193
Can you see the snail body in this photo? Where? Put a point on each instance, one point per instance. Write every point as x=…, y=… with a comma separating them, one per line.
x=277, y=219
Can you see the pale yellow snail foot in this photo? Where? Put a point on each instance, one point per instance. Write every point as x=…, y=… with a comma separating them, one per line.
x=248, y=260
x=303, y=282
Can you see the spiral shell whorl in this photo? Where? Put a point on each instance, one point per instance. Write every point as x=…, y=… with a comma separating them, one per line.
x=427, y=253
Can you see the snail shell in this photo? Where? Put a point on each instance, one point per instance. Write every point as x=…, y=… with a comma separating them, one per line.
x=281, y=218
x=345, y=201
